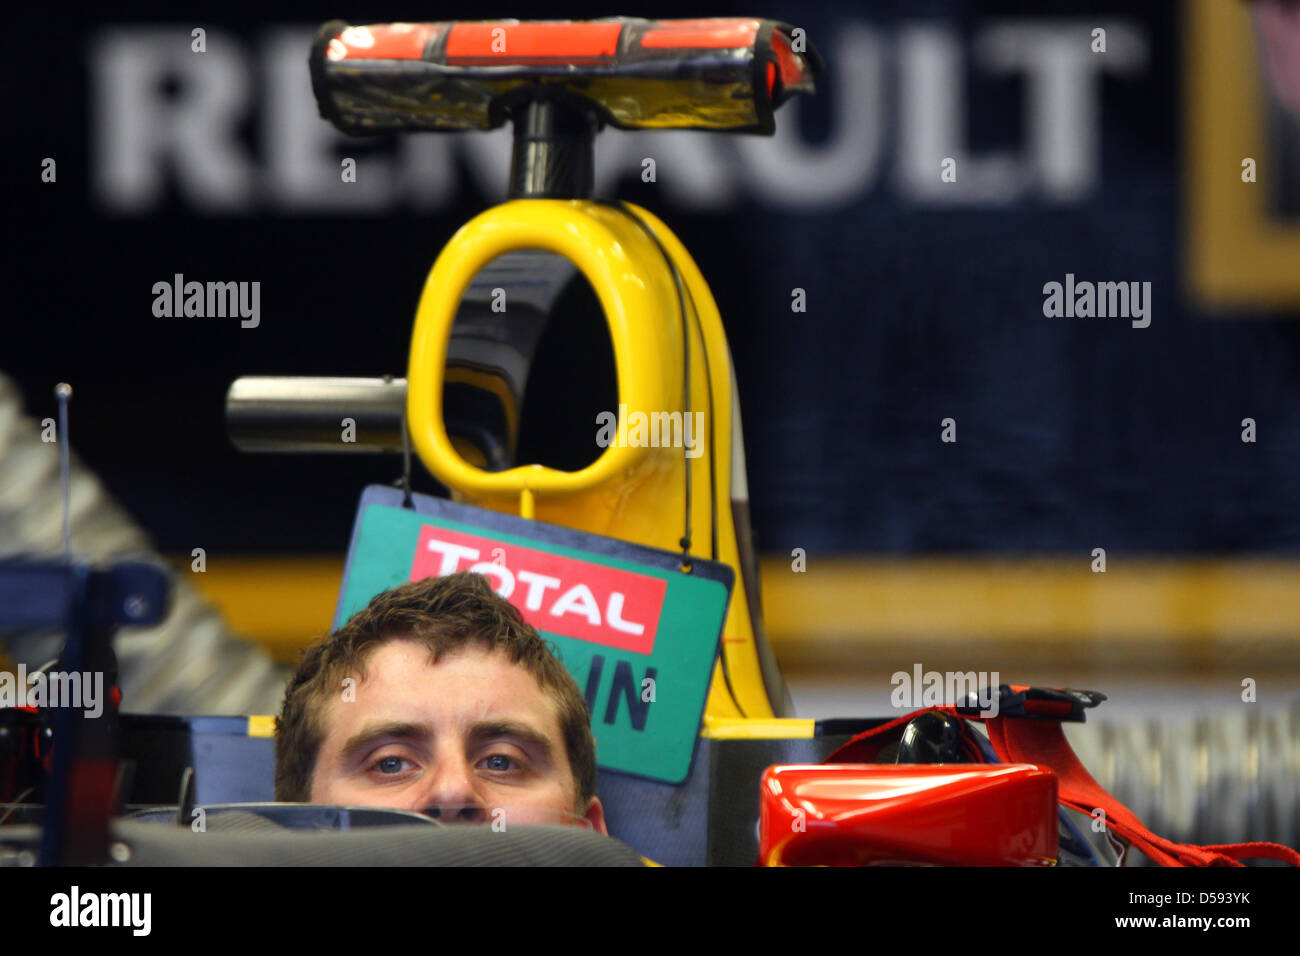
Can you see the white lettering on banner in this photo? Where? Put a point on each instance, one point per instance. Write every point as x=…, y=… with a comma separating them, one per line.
x=577, y=599
x=144, y=138
x=537, y=585
x=452, y=555
x=614, y=617
x=506, y=580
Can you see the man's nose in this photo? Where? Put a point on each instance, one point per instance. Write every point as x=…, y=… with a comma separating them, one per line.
x=453, y=795
x=448, y=813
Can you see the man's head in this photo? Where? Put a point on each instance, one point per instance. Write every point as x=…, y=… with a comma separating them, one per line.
x=437, y=695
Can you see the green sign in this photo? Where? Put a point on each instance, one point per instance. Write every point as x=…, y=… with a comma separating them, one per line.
x=639, y=635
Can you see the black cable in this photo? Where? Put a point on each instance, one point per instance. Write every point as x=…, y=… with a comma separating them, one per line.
x=16, y=802
x=682, y=297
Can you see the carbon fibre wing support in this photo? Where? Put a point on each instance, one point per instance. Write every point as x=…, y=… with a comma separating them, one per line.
x=91, y=603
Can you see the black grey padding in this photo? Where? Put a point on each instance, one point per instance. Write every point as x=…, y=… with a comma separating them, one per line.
x=154, y=844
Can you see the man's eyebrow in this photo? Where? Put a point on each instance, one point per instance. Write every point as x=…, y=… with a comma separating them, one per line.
x=367, y=737
x=520, y=731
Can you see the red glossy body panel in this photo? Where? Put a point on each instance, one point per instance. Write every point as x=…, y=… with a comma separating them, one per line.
x=922, y=814
x=478, y=42
x=715, y=32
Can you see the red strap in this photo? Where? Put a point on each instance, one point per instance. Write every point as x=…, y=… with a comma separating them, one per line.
x=1042, y=742
x=1257, y=851
x=864, y=748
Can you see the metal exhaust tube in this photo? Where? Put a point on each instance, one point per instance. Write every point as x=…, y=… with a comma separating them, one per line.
x=273, y=413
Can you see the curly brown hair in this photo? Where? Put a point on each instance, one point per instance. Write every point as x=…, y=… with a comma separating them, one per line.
x=446, y=613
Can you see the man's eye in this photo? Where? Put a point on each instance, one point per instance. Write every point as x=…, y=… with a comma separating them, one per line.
x=498, y=762
x=389, y=765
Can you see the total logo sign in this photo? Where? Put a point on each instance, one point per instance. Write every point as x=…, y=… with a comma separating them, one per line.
x=557, y=594
x=637, y=633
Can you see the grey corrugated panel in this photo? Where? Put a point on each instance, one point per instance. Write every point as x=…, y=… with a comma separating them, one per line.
x=191, y=663
x=1230, y=776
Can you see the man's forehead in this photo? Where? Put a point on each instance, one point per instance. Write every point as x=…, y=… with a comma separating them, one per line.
x=469, y=684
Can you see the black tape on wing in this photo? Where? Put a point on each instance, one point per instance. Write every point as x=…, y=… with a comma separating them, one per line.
x=319, y=79
x=640, y=87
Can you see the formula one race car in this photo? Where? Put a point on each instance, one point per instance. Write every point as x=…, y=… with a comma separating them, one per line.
x=651, y=531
